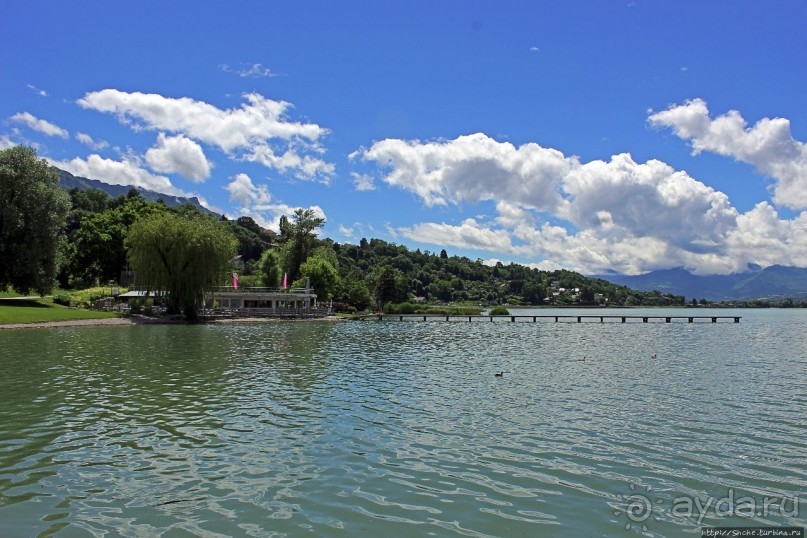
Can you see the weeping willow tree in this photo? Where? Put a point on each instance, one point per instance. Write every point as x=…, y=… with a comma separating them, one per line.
x=181, y=256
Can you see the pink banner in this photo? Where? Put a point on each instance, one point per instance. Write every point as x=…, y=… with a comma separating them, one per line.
x=235, y=280
x=285, y=281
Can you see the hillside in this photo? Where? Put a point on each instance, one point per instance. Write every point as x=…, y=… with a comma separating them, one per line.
x=435, y=277
x=68, y=181
x=774, y=282
x=431, y=277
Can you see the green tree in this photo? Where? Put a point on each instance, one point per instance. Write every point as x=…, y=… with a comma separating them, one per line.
x=324, y=277
x=390, y=285
x=300, y=239
x=250, y=244
x=180, y=256
x=269, y=269
x=354, y=292
x=96, y=250
x=33, y=213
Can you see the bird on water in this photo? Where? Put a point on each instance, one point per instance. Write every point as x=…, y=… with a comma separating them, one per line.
x=500, y=374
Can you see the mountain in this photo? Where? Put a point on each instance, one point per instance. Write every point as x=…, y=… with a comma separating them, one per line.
x=68, y=181
x=774, y=282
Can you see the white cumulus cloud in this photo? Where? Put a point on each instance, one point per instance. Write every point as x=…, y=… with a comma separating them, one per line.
x=472, y=168
x=178, y=154
x=257, y=202
x=124, y=172
x=769, y=145
x=469, y=234
x=87, y=140
x=257, y=131
x=42, y=126
x=362, y=182
x=616, y=214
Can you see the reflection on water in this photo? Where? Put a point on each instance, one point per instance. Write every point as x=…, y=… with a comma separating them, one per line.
x=400, y=428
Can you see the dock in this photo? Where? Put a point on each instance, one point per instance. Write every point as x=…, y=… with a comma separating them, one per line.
x=558, y=318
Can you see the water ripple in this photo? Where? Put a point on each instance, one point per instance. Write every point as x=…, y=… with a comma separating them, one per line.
x=398, y=428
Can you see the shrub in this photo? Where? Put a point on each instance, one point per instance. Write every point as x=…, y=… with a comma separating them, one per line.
x=499, y=311
x=62, y=299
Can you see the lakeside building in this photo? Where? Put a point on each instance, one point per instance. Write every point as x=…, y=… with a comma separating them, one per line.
x=261, y=298
x=226, y=301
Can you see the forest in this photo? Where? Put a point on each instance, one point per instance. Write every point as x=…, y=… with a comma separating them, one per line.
x=372, y=273
x=79, y=239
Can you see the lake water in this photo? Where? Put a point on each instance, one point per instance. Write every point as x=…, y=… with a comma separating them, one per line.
x=402, y=429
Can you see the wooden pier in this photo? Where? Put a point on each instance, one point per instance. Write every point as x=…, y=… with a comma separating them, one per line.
x=558, y=318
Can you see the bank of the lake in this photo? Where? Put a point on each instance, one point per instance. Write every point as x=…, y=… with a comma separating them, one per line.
x=402, y=429
x=33, y=310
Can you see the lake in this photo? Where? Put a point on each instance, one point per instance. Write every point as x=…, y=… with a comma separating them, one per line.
x=403, y=429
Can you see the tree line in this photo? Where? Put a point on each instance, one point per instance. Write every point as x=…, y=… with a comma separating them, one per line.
x=81, y=238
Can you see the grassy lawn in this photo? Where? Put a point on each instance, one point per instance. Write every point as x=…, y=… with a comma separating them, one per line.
x=11, y=293
x=37, y=310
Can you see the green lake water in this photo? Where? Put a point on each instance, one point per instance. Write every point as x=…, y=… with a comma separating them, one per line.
x=402, y=429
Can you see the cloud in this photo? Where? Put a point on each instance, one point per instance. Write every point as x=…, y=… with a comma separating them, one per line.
x=763, y=238
x=41, y=126
x=256, y=202
x=363, y=182
x=87, y=140
x=472, y=168
x=253, y=71
x=38, y=91
x=178, y=154
x=469, y=234
x=124, y=172
x=769, y=145
x=258, y=131
x=616, y=214
x=622, y=198
x=534, y=49
x=6, y=142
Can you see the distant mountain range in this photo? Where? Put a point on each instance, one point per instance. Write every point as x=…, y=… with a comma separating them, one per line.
x=68, y=181
x=774, y=282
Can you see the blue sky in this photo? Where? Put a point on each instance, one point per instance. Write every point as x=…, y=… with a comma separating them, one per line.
x=630, y=135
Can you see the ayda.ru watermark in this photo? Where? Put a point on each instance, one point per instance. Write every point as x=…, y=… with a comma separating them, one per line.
x=641, y=506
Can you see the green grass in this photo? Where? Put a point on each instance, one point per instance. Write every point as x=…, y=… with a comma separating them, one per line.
x=38, y=310
x=11, y=293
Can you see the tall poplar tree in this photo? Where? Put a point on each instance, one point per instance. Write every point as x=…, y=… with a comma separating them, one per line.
x=33, y=212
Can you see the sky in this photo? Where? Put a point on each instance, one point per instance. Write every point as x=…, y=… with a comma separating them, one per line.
x=595, y=136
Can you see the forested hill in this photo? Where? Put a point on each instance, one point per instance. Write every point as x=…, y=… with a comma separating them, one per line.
x=431, y=277
x=68, y=181
x=371, y=273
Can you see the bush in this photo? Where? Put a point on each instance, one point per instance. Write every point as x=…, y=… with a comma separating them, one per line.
x=409, y=308
x=499, y=311
x=62, y=299
x=84, y=298
x=249, y=281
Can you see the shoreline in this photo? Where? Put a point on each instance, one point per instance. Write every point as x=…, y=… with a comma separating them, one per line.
x=143, y=320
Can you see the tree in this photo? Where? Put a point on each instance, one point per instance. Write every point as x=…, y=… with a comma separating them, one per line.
x=269, y=269
x=390, y=286
x=180, y=256
x=98, y=252
x=299, y=239
x=324, y=276
x=250, y=244
x=33, y=213
x=354, y=292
